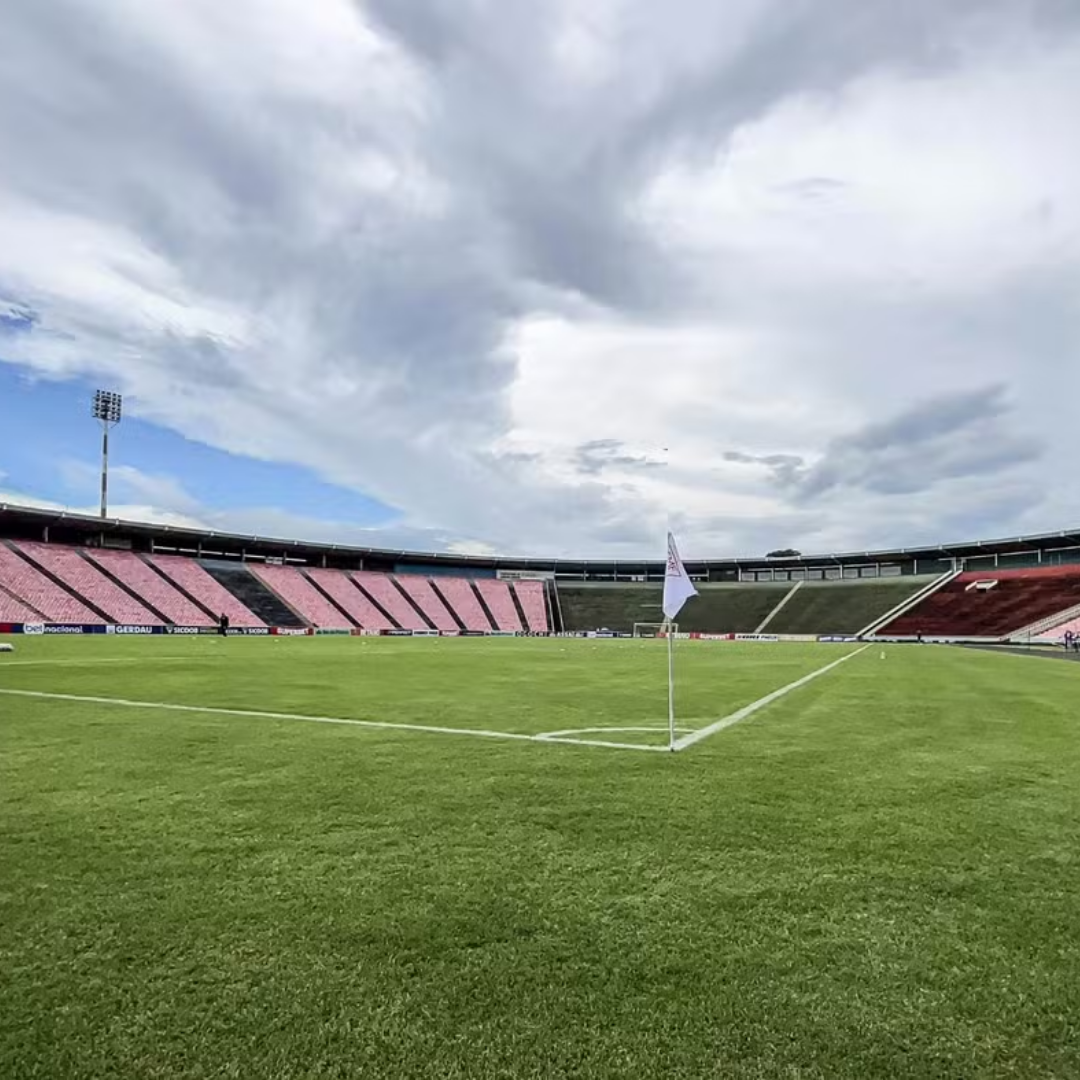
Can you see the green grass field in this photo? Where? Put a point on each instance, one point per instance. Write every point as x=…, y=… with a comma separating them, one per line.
x=876, y=876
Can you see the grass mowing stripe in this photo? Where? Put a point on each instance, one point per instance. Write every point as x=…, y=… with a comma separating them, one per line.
x=749, y=710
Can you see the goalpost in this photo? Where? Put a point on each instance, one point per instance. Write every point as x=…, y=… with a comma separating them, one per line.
x=655, y=629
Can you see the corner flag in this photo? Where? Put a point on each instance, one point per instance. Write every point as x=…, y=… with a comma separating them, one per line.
x=678, y=588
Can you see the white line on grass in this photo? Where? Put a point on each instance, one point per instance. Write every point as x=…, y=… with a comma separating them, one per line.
x=551, y=736
x=376, y=724
x=92, y=661
x=596, y=742
x=755, y=706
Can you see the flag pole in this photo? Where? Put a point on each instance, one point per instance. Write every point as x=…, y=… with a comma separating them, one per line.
x=678, y=588
x=671, y=686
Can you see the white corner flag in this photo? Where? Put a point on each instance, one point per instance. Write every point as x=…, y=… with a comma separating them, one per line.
x=678, y=588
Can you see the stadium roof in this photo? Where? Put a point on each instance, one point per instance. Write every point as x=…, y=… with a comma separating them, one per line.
x=22, y=520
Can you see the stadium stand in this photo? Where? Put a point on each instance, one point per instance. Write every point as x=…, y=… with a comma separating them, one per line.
x=193, y=579
x=389, y=597
x=429, y=602
x=731, y=609
x=990, y=604
x=26, y=583
x=305, y=601
x=340, y=588
x=89, y=583
x=718, y=609
x=459, y=596
x=13, y=610
x=155, y=590
x=263, y=602
x=1058, y=632
x=530, y=594
x=848, y=607
x=496, y=595
x=71, y=568
x=610, y=607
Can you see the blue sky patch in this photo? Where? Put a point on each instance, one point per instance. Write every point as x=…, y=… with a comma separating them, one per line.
x=47, y=426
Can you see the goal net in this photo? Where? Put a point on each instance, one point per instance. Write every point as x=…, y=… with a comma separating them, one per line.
x=655, y=629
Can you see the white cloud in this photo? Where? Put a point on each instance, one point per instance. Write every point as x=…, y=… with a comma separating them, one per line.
x=946, y=184
x=99, y=273
x=432, y=251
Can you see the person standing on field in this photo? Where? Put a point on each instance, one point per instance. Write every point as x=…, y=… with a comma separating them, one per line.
x=223, y=624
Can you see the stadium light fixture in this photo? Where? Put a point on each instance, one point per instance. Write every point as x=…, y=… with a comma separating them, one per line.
x=108, y=410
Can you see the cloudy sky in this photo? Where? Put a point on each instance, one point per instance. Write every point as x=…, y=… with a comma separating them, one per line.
x=548, y=276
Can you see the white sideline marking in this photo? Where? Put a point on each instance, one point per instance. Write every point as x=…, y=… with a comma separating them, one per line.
x=755, y=706
x=383, y=725
x=93, y=661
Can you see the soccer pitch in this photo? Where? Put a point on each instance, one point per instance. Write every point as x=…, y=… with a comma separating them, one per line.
x=875, y=875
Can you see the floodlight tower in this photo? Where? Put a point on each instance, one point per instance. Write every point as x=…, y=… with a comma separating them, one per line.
x=108, y=408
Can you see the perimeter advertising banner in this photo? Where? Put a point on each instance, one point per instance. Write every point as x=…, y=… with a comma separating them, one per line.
x=262, y=631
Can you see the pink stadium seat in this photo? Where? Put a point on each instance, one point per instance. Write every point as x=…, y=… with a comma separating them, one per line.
x=458, y=593
x=28, y=584
x=15, y=611
x=1058, y=632
x=295, y=589
x=338, y=584
x=419, y=588
x=530, y=594
x=90, y=583
x=496, y=595
x=386, y=594
x=151, y=586
x=193, y=579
